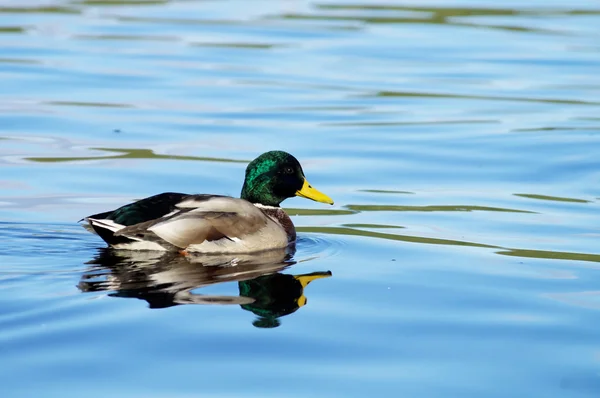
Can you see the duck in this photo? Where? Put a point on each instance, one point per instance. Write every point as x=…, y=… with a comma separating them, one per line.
x=214, y=224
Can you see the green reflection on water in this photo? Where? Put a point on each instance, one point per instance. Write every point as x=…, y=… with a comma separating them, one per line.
x=551, y=255
x=182, y=21
x=422, y=123
x=221, y=22
x=552, y=198
x=18, y=61
x=41, y=9
x=131, y=154
x=480, y=97
x=539, y=129
x=125, y=37
x=319, y=212
x=385, y=191
x=11, y=29
x=381, y=235
x=421, y=16
x=120, y=2
x=433, y=208
x=88, y=104
x=373, y=226
x=441, y=13
x=539, y=254
x=249, y=46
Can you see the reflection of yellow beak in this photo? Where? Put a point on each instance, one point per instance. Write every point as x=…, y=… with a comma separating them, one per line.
x=308, y=278
x=307, y=191
x=302, y=301
x=305, y=280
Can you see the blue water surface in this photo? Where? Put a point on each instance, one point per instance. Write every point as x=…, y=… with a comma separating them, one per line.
x=460, y=141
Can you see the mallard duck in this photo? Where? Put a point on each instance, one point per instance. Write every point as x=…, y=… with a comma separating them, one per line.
x=206, y=223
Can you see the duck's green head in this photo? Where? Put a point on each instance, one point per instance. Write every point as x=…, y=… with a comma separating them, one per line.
x=275, y=176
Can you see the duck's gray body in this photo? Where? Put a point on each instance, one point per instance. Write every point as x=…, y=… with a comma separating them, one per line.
x=195, y=223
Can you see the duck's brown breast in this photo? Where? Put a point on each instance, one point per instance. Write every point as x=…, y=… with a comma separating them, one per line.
x=279, y=215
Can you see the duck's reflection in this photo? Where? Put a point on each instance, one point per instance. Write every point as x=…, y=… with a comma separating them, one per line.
x=276, y=295
x=166, y=279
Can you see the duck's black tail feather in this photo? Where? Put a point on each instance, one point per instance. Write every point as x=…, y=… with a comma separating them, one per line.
x=108, y=235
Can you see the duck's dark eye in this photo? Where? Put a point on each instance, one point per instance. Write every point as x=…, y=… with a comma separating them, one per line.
x=288, y=170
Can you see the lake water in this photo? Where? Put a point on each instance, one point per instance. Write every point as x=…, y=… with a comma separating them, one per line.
x=460, y=141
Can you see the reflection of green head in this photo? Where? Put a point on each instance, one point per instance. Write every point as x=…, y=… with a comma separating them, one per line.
x=276, y=295
x=266, y=322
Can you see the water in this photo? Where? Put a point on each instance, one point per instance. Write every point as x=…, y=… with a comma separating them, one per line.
x=460, y=142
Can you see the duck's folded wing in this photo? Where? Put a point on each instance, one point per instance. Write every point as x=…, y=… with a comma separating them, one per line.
x=146, y=209
x=201, y=219
x=140, y=211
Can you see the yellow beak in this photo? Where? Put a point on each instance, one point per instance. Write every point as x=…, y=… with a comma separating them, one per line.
x=307, y=191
